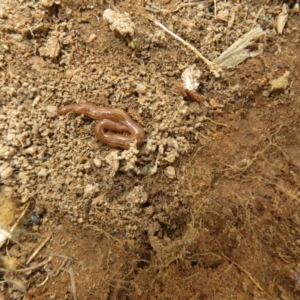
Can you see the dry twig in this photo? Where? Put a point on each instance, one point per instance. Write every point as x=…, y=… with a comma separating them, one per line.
x=217, y=123
x=213, y=67
x=215, y=3
x=46, y=261
x=73, y=284
x=243, y=270
x=32, y=256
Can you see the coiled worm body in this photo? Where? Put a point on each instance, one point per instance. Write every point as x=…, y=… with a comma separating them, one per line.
x=111, y=125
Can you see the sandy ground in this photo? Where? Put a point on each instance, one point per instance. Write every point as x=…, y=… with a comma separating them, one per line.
x=207, y=208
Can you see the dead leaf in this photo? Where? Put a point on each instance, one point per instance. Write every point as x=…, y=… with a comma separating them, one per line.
x=238, y=52
x=282, y=18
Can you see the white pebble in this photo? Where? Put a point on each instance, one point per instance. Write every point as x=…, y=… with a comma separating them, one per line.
x=97, y=162
x=6, y=172
x=170, y=172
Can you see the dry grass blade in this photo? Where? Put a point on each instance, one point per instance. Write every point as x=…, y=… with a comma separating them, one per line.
x=17, y=284
x=46, y=261
x=7, y=234
x=282, y=18
x=237, y=52
x=32, y=256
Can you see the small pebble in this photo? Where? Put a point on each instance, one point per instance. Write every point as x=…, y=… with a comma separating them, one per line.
x=43, y=172
x=51, y=111
x=6, y=172
x=80, y=220
x=170, y=172
x=91, y=38
x=3, y=13
x=97, y=162
x=140, y=88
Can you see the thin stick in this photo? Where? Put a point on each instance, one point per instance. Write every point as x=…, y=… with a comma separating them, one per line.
x=213, y=67
x=181, y=5
x=217, y=123
x=62, y=265
x=32, y=256
x=245, y=271
x=258, y=13
x=42, y=283
x=215, y=1
x=20, y=217
x=27, y=269
x=73, y=285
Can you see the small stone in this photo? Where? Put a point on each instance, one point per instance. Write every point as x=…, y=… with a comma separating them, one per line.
x=137, y=195
x=80, y=220
x=149, y=210
x=69, y=74
x=51, y=48
x=97, y=162
x=170, y=172
x=46, y=3
x=31, y=150
x=6, y=152
x=98, y=200
x=87, y=165
x=43, y=172
x=51, y=111
x=213, y=103
x=90, y=189
x=3, y=13
x=140, y=88
x=24, y=199
x=3, y=167
x=119, y=22
x=223, y=14
x=6, y=172
x=91, y=38
x=280, y=83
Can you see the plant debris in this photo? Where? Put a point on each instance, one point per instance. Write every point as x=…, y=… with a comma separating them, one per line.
x=238, y=52
x=282, y=18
